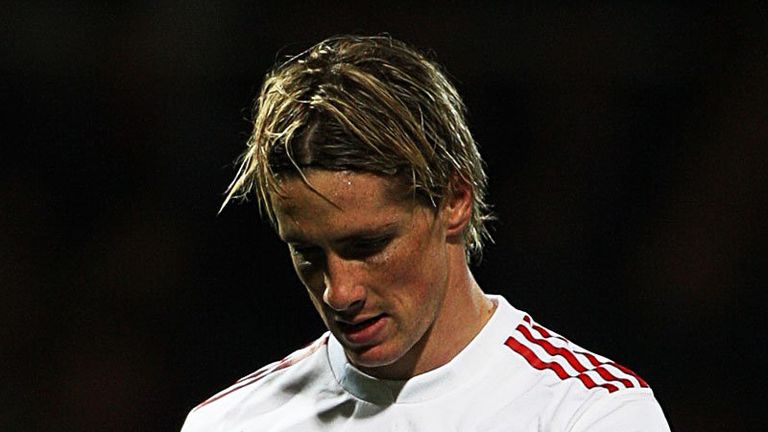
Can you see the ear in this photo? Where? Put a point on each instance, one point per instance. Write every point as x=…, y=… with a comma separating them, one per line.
x=457, y=207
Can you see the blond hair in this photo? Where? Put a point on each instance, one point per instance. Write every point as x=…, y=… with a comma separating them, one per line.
x=368, y=104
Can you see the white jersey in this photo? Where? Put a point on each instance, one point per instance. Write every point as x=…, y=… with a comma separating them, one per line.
x=513, y=376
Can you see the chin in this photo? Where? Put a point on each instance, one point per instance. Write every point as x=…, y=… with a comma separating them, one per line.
x=373, y=357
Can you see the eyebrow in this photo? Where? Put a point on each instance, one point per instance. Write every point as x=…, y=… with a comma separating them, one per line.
x=379, y=231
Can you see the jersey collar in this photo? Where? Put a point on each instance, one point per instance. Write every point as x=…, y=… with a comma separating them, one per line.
x=457, y=373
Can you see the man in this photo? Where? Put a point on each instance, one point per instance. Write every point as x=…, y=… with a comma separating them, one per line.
x=361, y=157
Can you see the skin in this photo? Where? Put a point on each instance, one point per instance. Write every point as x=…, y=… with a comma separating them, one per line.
x=379, y=261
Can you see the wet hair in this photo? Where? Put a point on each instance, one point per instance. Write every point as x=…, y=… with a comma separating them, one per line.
x=370, y=104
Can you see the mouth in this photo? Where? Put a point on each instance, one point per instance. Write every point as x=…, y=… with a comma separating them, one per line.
x=361, y=332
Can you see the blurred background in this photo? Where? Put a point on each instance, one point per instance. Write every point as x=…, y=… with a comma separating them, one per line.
x=626, y=146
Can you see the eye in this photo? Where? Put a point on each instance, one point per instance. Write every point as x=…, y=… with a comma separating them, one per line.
x=368, y=247
x=305, y=255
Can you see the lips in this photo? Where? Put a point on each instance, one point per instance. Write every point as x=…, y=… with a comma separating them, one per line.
x=362, y=332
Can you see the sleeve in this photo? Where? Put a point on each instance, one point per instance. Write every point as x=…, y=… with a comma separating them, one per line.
x=189, y=424
x=198, y=423
x=629, y=412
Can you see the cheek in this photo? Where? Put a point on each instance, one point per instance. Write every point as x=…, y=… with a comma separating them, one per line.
x=311, y=279
x=314, y=289
x=411, y=269
x=317, y=302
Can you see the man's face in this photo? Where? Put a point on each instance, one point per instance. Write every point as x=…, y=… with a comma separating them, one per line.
x=375, y=265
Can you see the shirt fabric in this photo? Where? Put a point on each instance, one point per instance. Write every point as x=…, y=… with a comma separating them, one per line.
x=515, y=375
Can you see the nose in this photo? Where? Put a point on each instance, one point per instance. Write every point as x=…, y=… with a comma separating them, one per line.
x=344, y=291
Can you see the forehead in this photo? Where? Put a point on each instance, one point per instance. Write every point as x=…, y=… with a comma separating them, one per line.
x=338, y=200
x=343, y=189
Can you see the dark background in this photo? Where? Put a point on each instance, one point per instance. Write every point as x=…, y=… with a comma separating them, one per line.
x=626, y=146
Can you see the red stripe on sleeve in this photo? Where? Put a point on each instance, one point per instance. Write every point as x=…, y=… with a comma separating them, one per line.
x=544, y=332
x=231, y=390
x=596, y=362
x=571, y=358
x=629, y=372
x=539, y=364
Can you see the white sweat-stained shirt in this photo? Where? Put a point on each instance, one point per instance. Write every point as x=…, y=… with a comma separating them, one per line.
x=513, y=376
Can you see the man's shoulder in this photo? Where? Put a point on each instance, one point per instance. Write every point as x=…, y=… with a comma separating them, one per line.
x=544, y=351
x=566, y=383
x=265, y=383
